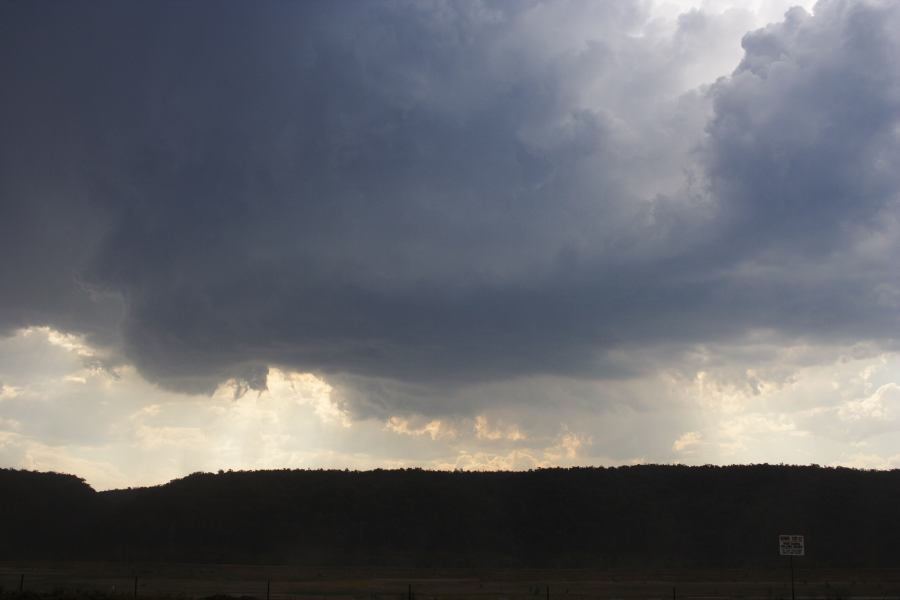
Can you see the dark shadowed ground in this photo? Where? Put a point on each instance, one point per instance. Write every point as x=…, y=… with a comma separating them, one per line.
x=283, y=582
x=646, y=517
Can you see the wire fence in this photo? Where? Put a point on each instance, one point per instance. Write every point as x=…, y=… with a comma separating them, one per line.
x=221, y=582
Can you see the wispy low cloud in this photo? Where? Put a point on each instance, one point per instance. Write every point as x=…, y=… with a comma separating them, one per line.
x=883, y=405
x=434, y=428
x=484, y=431
x=687, y=442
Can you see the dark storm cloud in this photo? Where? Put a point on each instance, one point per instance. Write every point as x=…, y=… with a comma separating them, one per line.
x=427, y=195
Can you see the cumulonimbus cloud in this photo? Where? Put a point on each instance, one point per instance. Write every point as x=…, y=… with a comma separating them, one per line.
x=416, y=197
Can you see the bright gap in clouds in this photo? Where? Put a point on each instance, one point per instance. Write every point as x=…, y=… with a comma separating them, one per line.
x=113, y=428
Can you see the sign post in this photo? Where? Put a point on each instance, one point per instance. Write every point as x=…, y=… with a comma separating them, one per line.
x=791, y=545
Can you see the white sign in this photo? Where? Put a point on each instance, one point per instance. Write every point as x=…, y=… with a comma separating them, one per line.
x=791, y=545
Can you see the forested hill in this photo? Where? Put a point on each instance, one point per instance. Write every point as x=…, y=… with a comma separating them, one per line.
x=583, y=517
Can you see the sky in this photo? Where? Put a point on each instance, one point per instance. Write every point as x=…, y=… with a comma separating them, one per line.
x=451, y=235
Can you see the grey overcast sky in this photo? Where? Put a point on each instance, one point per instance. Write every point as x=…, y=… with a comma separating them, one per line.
x=471, y=234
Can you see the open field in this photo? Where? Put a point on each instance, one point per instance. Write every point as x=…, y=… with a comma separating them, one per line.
x=285, y=582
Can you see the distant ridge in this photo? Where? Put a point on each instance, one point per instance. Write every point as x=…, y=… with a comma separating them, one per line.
x=637, y=516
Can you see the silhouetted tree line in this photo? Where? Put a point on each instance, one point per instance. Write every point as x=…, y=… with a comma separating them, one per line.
x=581, y=517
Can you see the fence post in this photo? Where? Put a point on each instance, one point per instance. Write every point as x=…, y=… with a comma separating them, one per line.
x=548, y=591
x=135, y=586
x=21, y=582
x=268, y=587
x=409, y=592
x=673, y=592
